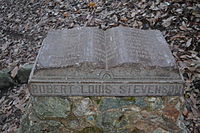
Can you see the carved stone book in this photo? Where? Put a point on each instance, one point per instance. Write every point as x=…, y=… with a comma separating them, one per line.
x=120, y=61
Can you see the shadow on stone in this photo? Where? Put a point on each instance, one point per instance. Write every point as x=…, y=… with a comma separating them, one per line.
x=91, y=130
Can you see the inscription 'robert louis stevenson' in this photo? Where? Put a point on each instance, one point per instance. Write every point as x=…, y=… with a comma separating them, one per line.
x=106, y=89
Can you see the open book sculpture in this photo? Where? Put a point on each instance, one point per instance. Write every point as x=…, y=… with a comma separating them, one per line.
x=120, y=61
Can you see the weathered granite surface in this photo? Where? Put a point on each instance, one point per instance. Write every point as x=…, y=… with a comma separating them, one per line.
x=103, y=115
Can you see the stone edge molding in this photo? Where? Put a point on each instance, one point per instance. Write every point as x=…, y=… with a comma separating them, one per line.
x=105, y=89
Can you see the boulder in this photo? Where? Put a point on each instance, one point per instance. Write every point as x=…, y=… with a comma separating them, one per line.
x=5, y=80
x=24, y=73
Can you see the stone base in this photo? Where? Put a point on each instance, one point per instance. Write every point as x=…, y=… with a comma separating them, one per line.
x=103, y=115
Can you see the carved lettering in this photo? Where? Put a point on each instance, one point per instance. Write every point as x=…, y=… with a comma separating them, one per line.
x=106, y=89
x=136, y=89
x=122, y=89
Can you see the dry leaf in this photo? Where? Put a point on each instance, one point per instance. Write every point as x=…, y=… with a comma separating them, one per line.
x=5, y=45
x=188, y=43
x=196, y=14
x=185, y=112
x=66, y=14
x=167, y=22
x=20, y=106
x=14, y=72
x=183, y=26
x=124, y=19
x=92, y=4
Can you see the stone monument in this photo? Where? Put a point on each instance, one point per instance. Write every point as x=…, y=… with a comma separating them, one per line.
x=118, y=62
x=81, y=74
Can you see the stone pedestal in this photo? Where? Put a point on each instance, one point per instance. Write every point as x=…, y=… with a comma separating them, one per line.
x=90, y=62
x=103, y=115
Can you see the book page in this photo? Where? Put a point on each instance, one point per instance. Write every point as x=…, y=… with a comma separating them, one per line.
x=74, y=46
x=134, y=41
x=145, y=47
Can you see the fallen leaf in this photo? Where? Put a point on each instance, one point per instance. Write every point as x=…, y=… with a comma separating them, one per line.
x=66, y=14
x=14, y=72
x=5, y=45
x=20, y=106
x=92, y=4
x=188, y=43
x=185, y=112
x=183, y=26
x=124, y=19
x=196, y=14
x=167, y=22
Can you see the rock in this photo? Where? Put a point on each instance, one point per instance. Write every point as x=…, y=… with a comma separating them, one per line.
x=140, y=102
x=5, y=80
x=39, y=127
x=73, y=124
x=84, y=107
x=110, y=121
x=112, y=103
x=155, y=103
x=111, y=115
x=23, y=73
x=91, y=119
x=51, y=107
x=171, y=112
x=91, y=130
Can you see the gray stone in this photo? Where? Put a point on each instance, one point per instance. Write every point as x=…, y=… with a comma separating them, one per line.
x=73, y=124
x=120, y=61
x=140, y=102
x=114, y=103
x=155, y=103
x=51, y=107
x=32, y=124
x=5, y=80
x=110, y=121
x=24, y=73
x=39, y=127
x=83, y=107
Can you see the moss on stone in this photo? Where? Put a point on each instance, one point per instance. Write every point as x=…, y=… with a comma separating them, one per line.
x=137, y=131
x=129, y=98
x=91, y=130
x=94, y=98
x=98, y=101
